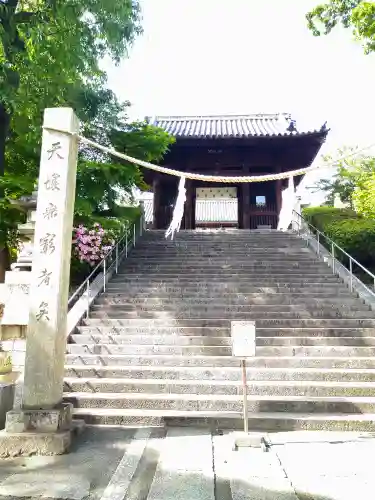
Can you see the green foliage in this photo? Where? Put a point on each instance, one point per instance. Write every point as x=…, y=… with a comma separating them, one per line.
x=354, y=233
x=49, y=56
x=321, y=216
x=353, y=182
x=356, y=14
x=356, y=236
x=364, y=196
x=40, y=38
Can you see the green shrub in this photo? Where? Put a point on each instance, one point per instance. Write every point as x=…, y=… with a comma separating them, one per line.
x=321, y=216
x=352, y=232
x=355, y=236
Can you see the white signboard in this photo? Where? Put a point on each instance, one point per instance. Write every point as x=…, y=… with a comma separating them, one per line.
x=243, y=339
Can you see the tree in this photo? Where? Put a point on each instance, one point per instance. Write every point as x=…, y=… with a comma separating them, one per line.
x=67, y=37
x=103, y=183
x=364, y=196
x=49, y=55
x=353, y=182
x=356, y=14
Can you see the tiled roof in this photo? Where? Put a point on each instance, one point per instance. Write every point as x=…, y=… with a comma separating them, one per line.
x=219, y=210
x=225, y=126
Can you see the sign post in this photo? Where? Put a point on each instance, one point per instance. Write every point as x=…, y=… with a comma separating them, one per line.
x=243, y=346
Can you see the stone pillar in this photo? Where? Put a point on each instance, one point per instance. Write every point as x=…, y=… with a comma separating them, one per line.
x=43, y=421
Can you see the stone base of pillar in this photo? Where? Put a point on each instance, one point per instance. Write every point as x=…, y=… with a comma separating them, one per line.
x=26, y=444
x=37, y=432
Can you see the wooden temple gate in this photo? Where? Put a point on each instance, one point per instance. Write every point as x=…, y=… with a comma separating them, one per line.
x=246, y=145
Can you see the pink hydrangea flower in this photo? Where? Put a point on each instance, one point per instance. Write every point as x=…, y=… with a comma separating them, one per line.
x=91, y=244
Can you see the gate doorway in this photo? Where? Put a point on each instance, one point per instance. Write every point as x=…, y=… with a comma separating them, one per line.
x=216, y=207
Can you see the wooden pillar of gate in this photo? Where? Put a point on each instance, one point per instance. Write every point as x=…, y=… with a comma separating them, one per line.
x=189, y=216
x=245, y=205
x=278, y=193
x=156, y=187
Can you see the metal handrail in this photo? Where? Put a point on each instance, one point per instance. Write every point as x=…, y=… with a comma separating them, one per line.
x=113, y=258
x=334, y=246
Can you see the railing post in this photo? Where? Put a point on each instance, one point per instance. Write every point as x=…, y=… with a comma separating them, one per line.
x=88, y=299
x=318, y=244
x=104, y=274
x=126, y=244
x=140, y=226
x=134, y=232
x=351, y=273
x=117, y=258
x=333, y=257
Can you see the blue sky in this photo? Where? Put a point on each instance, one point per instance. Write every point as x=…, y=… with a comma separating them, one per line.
x=244, y=56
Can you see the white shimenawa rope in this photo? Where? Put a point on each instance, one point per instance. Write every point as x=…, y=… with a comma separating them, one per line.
x=216, y=178
x=288, y=194
x=287, y=206
x=178, y=211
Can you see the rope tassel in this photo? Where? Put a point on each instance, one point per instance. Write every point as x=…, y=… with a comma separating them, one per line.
x=178, y=211
x=287, y=206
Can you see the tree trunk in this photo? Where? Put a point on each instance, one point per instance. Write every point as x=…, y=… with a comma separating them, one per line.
x=4, y=130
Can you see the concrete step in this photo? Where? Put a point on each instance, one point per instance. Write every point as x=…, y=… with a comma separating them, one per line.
x=316, y=341
x=206, y=402
x=249, y=281
x=159, y=330
x=234, y=240
x=166, y=290
x=152, y=340
x=259, y=259
x=236, y=300
x=171, y=321
x=213, y=388
x=195, y=350
x=267, y=422
x=230, y=312
x=228, y=274
x=172, y=360
x=224, y=331
x=216, y=373
x=318, y=290
x=223, y=248
x=210, y=239
x=222, y=256
x=215, y=255
x=206, y=260
x=216, y=268
x=220, y=243
x=240, y=303
x=218, y=341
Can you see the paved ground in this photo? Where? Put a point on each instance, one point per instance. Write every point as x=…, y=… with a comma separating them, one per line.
x=188, y=464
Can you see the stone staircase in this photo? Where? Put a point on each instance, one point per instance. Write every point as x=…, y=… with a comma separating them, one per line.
x=156, y=348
